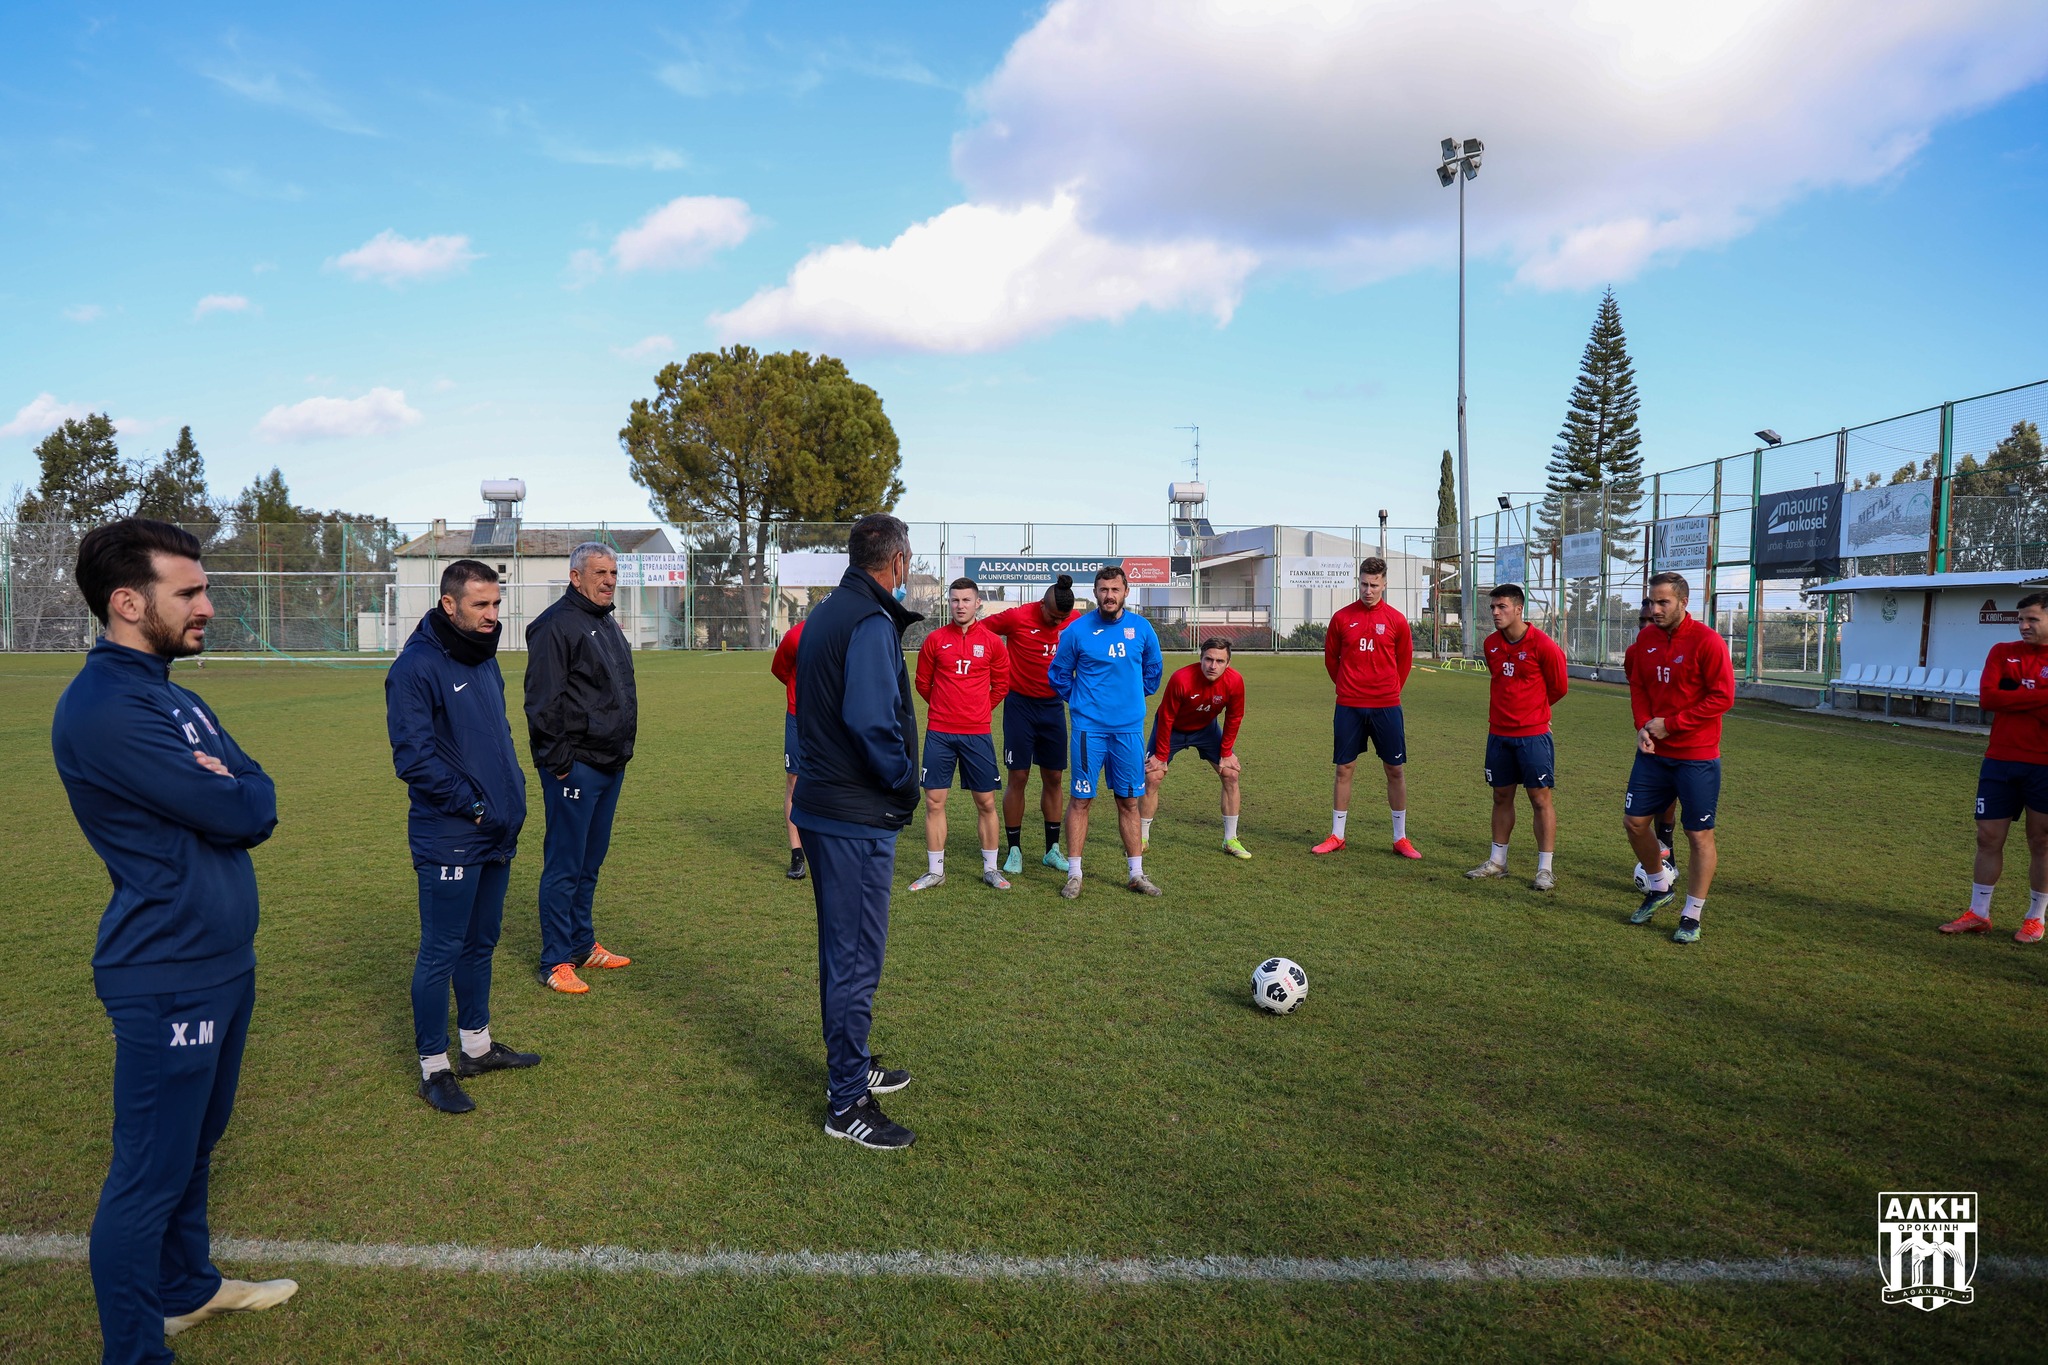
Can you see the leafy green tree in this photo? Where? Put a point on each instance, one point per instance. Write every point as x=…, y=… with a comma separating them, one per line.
x=1599, y=444
x=84, y=479
x=174, y=488
x=1998, y=506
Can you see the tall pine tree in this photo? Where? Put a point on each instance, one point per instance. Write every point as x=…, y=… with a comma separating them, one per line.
x=1599, y=445
x=174, y=488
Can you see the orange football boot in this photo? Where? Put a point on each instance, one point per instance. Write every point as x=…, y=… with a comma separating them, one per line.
x=562, y=977
x=1406, y=849
x=1329, y=845
x=2030, y=932
x=598, y=957
x=1969, y=922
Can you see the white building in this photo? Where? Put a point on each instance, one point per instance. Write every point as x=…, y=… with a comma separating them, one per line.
x=1244, y=578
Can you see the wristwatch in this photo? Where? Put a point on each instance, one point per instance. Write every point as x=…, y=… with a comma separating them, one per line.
x=476, y=808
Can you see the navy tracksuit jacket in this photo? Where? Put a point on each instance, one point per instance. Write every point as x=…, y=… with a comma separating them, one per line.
x=174, y=964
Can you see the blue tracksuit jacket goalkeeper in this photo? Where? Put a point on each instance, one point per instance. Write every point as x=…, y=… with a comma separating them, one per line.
x=1105, y=669
x=175, y=837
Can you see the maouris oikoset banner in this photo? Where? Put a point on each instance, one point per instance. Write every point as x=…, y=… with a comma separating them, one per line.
x=1798, y=533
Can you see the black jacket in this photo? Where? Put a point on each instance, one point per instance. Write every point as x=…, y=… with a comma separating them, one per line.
x=581, y=705
x=855, y=725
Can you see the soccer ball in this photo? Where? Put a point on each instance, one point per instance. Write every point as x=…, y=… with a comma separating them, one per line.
x=1643, y=878
x=1278, y=986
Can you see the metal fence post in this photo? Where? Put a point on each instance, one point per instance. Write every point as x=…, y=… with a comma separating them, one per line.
x=1756, y=498
x=1944, y=486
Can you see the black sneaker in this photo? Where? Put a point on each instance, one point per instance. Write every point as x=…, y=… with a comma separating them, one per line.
x=441, y=1091
x=499, y=1058
x=881, y=1079
x=796, y=871
x=866, y=1124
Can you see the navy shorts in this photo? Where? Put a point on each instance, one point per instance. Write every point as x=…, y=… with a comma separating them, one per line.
x=974, y=755
x=1121, y=753
x=1656, y=780
x=2005, y=788
x=792, y=747
x=1207, y=741
x=1034, y=733
x=1381, y=726
x=1521, y=761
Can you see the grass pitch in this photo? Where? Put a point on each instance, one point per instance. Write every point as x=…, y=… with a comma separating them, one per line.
x=1479, y=1070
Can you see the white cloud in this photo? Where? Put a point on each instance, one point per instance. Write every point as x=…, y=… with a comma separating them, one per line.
x=585, y=265
x=85, y=312
x=646, y=348
x=395, y=259
x=280, y=85
x=1618, y=132
x=41, y=414
x=649, y=158
x=978, y=277
x=220, y=303
x=683, y=232
x=379, y=412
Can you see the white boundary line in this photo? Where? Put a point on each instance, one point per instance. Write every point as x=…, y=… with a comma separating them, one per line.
x=18, y=1248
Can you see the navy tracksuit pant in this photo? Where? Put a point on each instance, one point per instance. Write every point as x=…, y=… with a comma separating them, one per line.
x=461, y=911
x=850, y=880
x=579, y=810
x=177, y=1057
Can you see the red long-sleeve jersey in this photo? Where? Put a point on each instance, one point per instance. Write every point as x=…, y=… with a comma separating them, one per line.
x=2019, y=714
x=783, y=665
x=1369, y=652
x=1032, y=639
x=1528, y=679
x=1191, y=701
x=1687, y=678
x=962, y=675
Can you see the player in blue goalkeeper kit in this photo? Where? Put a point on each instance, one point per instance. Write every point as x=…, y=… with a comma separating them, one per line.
x=1106, y=665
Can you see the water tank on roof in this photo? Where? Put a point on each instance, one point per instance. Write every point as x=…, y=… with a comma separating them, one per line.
x=504, y=490
x=1187, y=494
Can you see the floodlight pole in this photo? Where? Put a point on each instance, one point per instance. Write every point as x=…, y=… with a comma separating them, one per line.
x=1467, y=602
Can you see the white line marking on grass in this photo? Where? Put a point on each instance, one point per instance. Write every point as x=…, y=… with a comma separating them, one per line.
x=1079, y=1270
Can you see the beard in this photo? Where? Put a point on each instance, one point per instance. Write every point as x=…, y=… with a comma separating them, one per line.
x=165, y=640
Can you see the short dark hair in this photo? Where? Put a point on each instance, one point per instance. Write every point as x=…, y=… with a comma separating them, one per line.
x=460, y=573
x=2033, y=599
x=876, y=539
x=1511, y=591
x=1673, y=580
x=122, y=554
x=1109, y=571
x=1373, y=564
x=1213, y=642
x=960, y=583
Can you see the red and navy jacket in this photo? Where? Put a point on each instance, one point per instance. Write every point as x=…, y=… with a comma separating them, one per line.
x=2014, y=693
x=1191, y=702
x=783, y=665
x=1528, y=679
x=175, y=837
x=1686, y=677
x=1032, y=640
x=963, y=675
x=1369, y=653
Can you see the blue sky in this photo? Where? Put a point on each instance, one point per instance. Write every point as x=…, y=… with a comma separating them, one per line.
x=394, y=251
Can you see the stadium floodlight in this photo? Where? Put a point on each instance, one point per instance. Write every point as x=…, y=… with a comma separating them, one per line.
x=1502, y=499
x=1770, y=438
x=1461, y=163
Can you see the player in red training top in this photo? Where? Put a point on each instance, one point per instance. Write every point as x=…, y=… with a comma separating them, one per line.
x=963, y=671
x=1369, y=653
x=1667, y=819
x=1035, y=719
x=1528, y=678
x=1201, y=708
x=2014, y=693
x=1682, y=684
x=783, y=666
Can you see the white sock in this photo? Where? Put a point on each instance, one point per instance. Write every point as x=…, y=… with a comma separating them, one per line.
x=2037, y=904
x=1137, y=865
x=1337, y=823
x=1499, y=856
x=988, y=860
x=1074, y=866
x=1662, y=878
x=936, y=862
x=475, y=1042
x=429, y=1065
x=1230, y=826
x=1144, y=829
x=1400, y=825
x=1543, y=861
x=1980, y=898
x=1693, y=906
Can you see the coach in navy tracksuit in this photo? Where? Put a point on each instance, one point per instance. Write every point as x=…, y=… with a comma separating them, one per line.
x=582, y=713
x=856, y=787
x=444, y=704
x=172, y=806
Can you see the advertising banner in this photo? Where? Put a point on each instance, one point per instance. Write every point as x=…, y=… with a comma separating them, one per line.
x=1683, y=543
x=1317, y=571
x=810, y=568
x=1511, y=564
x=1582, y=555
x=1142, y=570
x=1888, y=521
x=653, y=571
x=1798, y=533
